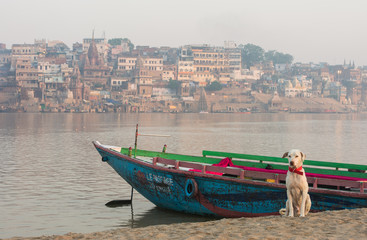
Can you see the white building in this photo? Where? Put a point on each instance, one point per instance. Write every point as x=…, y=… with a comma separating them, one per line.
x=126, y=63
x=185, y=70
x=297, y=88
x=168, y=75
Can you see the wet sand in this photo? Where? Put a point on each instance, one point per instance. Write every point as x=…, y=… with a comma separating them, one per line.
x=344, y=224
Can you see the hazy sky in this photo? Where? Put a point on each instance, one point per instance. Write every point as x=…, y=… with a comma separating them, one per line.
x=310, y=30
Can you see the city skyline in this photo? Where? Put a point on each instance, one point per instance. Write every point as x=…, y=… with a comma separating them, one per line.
x=311, y=31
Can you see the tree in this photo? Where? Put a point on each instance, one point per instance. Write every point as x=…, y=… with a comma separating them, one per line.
x=115, y=41
x=274, y=78
x=174, y=85
x=214, y=86
x=350, y=84
x=278, y=57
x=118, y=41
x=251, y=54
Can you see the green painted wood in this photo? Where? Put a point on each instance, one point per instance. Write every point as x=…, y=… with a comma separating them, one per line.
x=284, y=160
x=180, y=157
x=244, y=156
x=278, y=163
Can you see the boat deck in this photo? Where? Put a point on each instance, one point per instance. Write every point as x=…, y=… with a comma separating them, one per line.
x=339, y=176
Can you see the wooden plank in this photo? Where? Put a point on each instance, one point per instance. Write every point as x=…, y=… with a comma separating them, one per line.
x=284, y=160
x=312, y=169
x=307, y=169
x=363, y=185
x=225, y=170
x=333, y=182
x=180, y=157
x=336, y=165
x=244, y=156
x=166, y=161
x=191, y=165
x=259, y=175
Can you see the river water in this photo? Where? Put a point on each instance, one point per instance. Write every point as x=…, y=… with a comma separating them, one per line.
x=53, y=181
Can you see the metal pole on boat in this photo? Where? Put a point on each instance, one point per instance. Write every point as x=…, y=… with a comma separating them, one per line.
x=132, y=192
x=136, y=139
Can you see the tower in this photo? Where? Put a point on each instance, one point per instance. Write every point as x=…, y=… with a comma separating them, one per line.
x=76, y=86
x=93, y=55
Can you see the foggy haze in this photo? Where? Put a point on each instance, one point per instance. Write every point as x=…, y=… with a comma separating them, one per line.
x=310, y=30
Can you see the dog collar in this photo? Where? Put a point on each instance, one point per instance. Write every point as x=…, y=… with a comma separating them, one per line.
x=298, y=170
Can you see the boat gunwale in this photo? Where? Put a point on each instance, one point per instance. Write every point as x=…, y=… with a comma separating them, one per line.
x=190, y=173
x=218, y=177
x=259, y=162
x=309, y=163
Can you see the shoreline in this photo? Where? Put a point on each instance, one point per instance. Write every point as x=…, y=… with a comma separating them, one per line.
x=339, y=224
x=221, y=102
x=269, y=112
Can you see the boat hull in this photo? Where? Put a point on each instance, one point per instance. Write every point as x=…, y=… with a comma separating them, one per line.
x=212, y=195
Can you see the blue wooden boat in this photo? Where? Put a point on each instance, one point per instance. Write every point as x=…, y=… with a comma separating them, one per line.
x=191, y=184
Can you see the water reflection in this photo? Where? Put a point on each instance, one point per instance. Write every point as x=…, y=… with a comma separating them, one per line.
x=159, y=216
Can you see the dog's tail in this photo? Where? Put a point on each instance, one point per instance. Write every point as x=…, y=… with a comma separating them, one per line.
x=282, y=211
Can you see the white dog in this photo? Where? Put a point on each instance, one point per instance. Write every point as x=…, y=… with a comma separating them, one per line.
x=297, y=186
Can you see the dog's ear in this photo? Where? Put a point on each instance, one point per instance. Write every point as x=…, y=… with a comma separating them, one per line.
x=285, y=155
x=303, y=156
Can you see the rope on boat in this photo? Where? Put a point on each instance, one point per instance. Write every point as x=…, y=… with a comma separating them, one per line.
x=154, y=135
x=148, y=135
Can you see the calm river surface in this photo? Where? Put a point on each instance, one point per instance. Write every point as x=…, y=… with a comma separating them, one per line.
x=52, y=180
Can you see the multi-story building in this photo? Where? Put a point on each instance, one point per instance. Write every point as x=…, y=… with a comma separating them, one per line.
x=5, y=56
x=51, y=76
x=326, y=76
x=296, y=87
x=24, y=51
x=353, y=75
x=119, y=83
x=169, y=72
x=185, y=70
x=152, y=66
x=209, y=63
x=26, y=74
x=142, y=78
x=234, y=55
x=126, y=64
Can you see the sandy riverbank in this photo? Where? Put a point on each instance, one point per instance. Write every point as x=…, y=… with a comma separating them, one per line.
x=345, y=224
